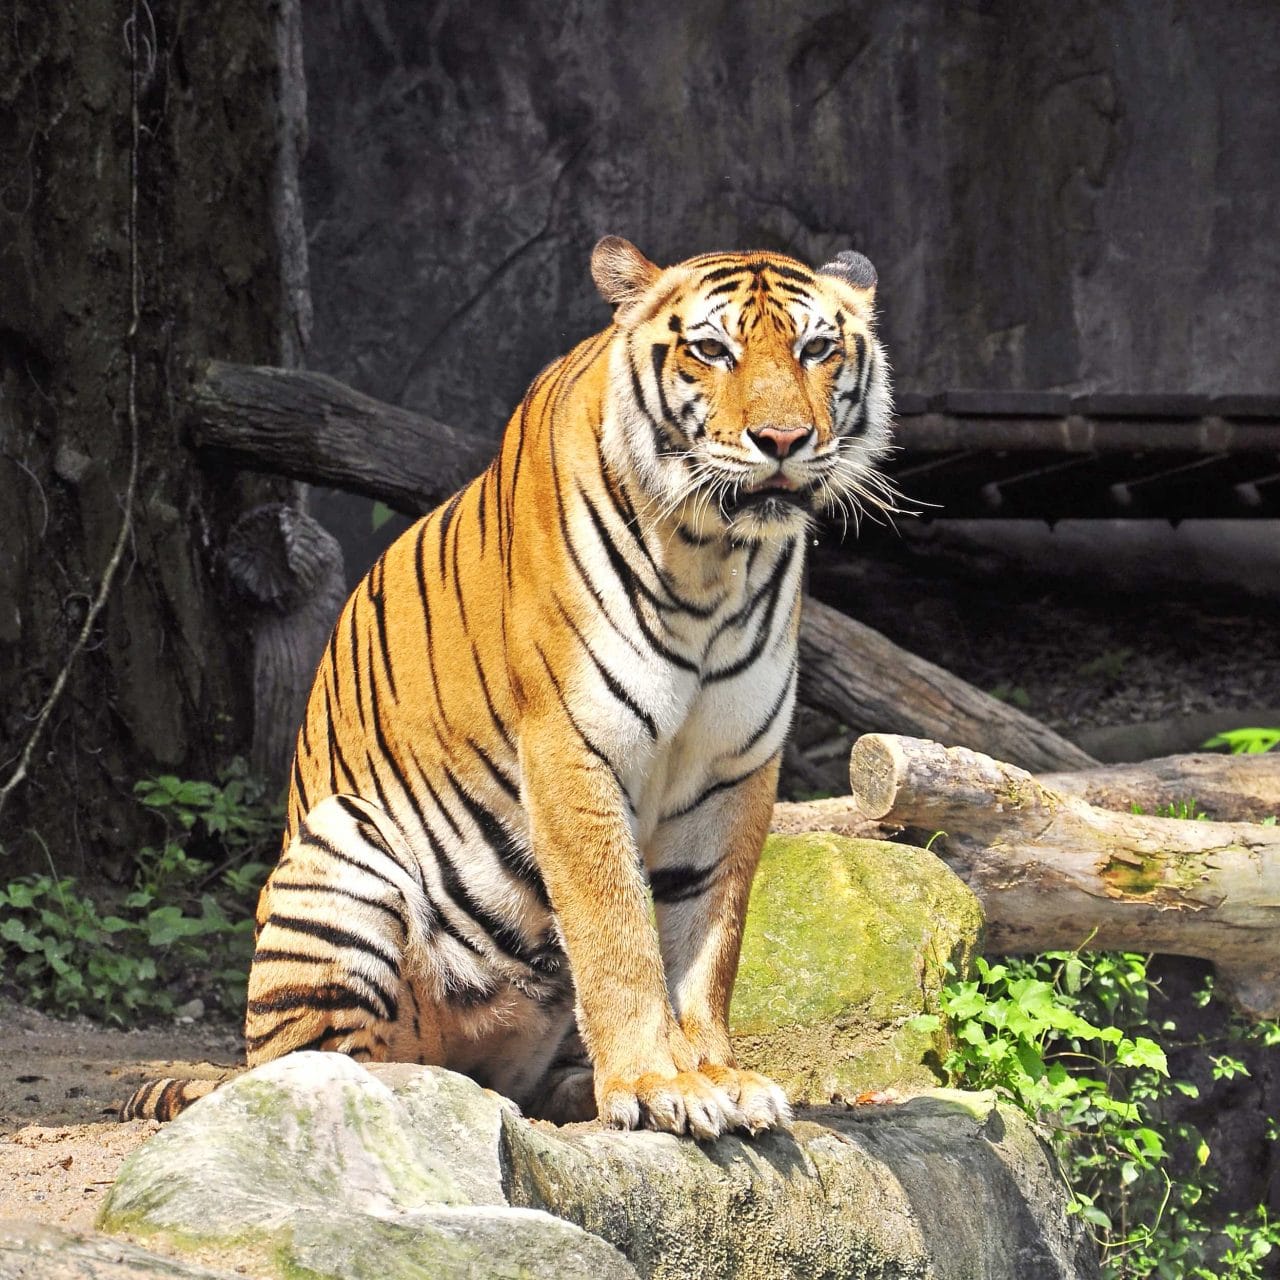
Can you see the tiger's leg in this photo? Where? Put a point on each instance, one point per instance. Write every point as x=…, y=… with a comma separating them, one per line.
x=340, y=930
x=567, y=1091
x=645, y=1067
x=701, y=868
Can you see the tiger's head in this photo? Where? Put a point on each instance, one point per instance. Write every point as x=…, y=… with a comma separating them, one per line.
x=747, y=392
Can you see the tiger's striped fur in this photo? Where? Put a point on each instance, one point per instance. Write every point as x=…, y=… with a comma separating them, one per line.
x=566, y=690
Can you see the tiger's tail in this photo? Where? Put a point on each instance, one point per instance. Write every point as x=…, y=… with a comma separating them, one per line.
x=165, y=1099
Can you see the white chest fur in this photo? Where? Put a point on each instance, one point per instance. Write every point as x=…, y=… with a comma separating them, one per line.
x=696, y=694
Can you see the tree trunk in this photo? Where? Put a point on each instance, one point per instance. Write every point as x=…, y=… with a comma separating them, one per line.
x=150, y=218
x=1056, y=873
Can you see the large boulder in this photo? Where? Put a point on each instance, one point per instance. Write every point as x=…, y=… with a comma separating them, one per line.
x=846, y=942
x=316, y=1165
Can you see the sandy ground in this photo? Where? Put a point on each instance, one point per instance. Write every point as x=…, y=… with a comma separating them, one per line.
x=60, y=1083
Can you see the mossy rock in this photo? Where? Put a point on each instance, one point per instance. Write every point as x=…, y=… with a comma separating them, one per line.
x=846, y=942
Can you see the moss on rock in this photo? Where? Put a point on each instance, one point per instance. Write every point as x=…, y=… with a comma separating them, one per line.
x=846, y=941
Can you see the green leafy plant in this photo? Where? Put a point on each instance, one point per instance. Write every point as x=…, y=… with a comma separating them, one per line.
x=1241, y=742
x=184, y=928
x=1073, y=1041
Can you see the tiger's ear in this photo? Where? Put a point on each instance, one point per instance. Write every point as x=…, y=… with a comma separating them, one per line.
x=621, y=272
x=856, y=271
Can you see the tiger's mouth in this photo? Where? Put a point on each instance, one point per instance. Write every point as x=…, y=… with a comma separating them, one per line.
x=773, y=495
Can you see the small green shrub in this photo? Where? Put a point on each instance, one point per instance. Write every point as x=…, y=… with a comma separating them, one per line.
x=184, y=928
x=1242, y=742
x=1074, y=1042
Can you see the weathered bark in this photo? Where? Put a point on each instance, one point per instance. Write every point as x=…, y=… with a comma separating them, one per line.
x=854, y=673
x=313, y=428
x=291, y=568
x=134, y=243
x=1054, y=872
x=1227, y=788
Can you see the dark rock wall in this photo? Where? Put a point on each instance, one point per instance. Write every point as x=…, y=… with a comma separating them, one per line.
x=1078, y=196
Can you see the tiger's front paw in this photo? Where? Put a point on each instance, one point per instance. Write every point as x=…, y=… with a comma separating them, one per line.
x=686, y=1103
x=761, y=1103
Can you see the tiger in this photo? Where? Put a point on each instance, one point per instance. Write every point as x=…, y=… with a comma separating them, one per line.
x=539, y=759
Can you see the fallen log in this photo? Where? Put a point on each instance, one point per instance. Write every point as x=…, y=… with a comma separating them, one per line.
x=870, y=684
x=313, y=428
x=1227, y=788
x=1054, y=872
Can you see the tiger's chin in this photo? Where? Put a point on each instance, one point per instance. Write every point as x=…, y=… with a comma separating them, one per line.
x=769, y=512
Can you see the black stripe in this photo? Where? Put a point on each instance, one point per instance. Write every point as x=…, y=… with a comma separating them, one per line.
x=421, y=569
x=726, y=784
x=502, y=937
x=480, y=506
x=337, y=760
x=498, y=722
x=447, y=512
x=676, y=884
x=577, y=728
x=658, y=358
x=330, y=997
x=311, y=837
x=506, y=848
x=723, y=273
x=614, y=686
x=435, y=799
x=353, y=628
x=790, y=273
x=774, y=712
x=333, y=936
x=765, y=625
x=663, y=444
x=321, y=886
x=316, y=1042
x=379, y=601
x=632, y=585
x=505, y=783
x=587, y=580
x=299, y=787
x=630, y=522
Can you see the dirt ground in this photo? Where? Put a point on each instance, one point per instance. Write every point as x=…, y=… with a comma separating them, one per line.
x=60, y=1083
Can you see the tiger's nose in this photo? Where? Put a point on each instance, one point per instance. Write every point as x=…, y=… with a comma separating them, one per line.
x=777, y=442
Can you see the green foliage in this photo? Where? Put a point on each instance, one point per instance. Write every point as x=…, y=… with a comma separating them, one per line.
x=1073, y=1042
x=183, y=929
x=1246, y=742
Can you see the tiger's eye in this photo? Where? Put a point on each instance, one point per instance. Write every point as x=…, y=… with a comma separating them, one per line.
x=710, y=349
x=817, y=348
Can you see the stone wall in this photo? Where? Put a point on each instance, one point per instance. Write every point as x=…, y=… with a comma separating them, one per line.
x=1073, y=196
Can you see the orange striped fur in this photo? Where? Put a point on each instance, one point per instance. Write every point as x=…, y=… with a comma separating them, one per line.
x=564, y=694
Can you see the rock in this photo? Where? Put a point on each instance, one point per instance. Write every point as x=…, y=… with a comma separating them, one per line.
x=316, y=1165
x=38, y=1251
x=846, y=941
